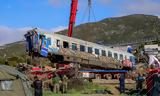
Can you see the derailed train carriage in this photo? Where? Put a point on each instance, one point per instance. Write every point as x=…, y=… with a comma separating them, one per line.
x=60, y=48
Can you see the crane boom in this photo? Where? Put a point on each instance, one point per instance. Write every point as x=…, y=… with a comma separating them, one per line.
x=72, y=19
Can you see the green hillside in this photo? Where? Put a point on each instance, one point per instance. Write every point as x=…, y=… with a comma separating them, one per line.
x=13, y=49
x=119, y=29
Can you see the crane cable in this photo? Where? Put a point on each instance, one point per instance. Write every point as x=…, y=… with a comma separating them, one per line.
x=90, y=11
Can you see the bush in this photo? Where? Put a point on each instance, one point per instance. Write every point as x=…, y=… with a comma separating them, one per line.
x=2, y=60
x=13, y=63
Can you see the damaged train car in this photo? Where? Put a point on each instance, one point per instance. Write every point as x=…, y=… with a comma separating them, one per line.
x=60, y=48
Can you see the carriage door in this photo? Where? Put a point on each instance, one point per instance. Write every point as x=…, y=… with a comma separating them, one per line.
x=45, y=45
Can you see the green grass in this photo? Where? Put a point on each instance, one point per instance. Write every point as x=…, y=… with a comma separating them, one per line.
x=90, y=88
x=87, y=89
x=49, y=93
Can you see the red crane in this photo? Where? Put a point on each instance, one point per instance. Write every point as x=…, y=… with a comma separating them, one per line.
x=73, y=12
x=72, y=19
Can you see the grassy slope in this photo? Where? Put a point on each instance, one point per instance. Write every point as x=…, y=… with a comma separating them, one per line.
x=13, y=49
x=113, y=30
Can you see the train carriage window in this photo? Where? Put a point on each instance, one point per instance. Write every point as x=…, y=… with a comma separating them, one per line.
x=89, y=49
x=103, y=53
x=109, y=54
x=125, y=57
x=82, y=48
x=120, y=56
x=58, y=43
x=115, y=55
x=97, y=51
x=74, y=46
x=65, y=44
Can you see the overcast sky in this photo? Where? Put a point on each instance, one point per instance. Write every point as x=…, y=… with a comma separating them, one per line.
x=17, y=16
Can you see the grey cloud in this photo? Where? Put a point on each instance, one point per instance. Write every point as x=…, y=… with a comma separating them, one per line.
x=9, y=35
x=141, y=6
x=59, y=28
x=126, y=7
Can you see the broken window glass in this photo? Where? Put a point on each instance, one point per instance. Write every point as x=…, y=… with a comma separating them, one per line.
x=89, y=49
x=74, y=46
x=109, y=54
x=82, y=48
x=97, y=51
x=103, y=53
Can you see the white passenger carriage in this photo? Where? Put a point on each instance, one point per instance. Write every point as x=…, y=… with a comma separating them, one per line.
x=60, y=41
